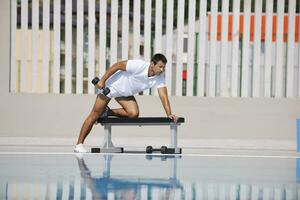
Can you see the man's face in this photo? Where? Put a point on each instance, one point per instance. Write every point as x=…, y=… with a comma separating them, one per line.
x=159, y=67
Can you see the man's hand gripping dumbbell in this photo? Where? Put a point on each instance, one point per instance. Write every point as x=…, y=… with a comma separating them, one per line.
x=104, y=90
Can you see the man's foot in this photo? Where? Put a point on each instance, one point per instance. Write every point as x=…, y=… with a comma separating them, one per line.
x=106, y=112
x=80, y=149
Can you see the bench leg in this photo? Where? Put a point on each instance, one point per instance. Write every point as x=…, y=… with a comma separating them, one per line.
x=173, y=136
x=107, y=137
x=108, y=146
x=173, y=128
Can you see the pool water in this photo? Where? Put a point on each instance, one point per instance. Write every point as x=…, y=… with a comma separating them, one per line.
x=140, y=176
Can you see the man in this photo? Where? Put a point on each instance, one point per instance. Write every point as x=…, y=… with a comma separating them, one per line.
x=124, y=79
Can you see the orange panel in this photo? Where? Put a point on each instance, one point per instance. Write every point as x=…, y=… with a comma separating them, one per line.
x=252, y=20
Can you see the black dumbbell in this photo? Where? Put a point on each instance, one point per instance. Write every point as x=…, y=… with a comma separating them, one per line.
x=95, y=150
x=164, y=150
x=150, y=149
x=105, y=91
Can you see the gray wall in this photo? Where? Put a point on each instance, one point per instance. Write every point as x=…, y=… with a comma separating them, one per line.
x=48, y=115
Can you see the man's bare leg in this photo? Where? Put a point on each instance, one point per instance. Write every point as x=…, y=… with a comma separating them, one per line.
x=99, y=106
x=129, y=107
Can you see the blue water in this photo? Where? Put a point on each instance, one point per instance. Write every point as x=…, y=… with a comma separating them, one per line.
x=107, y=176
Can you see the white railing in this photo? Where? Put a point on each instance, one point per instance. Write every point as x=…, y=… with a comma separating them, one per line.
x=227, y=52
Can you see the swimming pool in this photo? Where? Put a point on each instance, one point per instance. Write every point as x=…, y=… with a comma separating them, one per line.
x=139, y=176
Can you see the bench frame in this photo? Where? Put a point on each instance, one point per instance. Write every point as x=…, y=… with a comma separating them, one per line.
x=108, y=146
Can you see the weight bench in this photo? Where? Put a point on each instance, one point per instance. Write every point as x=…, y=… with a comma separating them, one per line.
x=108, y=122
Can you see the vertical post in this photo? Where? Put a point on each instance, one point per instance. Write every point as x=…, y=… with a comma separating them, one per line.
x=213, y=49
x=147, y=34
x=46, y=45
x=34, y=55
x=13, y=66
x=224, y=49
x=24, y=46
x=291, y=46
x=191, y=48
x=102, y=38
x=201, y=48
x=125, y=29
x=114, y=32
x=235, y=48
x=169, y=43
x=158, y=27
x=79, y=46
x=56, y=47
x=256, y=85
x=179, y=43
x=68, y=47
x=91, y=44
x=173, y=128
x=157, y=33
x=136, y=29
x=107, y=137
x=268, y=48
x=245, y=50
x=279, y=49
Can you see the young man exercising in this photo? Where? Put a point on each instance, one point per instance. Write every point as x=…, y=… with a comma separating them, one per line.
x=124, y=79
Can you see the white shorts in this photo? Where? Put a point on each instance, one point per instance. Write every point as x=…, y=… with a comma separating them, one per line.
x=112, y=94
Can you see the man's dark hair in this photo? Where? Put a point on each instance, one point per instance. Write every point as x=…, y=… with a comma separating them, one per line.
x=159, y=57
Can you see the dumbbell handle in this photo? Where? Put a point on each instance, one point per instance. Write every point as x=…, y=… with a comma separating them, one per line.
x=105, y=91
x=156, y=149
x=150, y=149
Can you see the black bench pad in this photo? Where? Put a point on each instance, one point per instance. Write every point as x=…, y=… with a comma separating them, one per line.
x=140, y=120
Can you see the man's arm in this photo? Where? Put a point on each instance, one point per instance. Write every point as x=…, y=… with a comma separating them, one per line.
x=163, y=95
x=110, y=71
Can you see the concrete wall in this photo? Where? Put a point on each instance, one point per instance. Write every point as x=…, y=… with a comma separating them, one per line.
x=207, y=119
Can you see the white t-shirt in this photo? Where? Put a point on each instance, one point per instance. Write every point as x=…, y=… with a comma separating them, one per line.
x=134, y=80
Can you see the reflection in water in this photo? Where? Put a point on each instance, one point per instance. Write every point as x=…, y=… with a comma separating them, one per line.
x=150, y=177
x=129, y=187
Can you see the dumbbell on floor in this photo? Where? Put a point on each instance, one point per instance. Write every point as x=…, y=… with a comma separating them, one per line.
x=104, y=91
x=163, y=150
